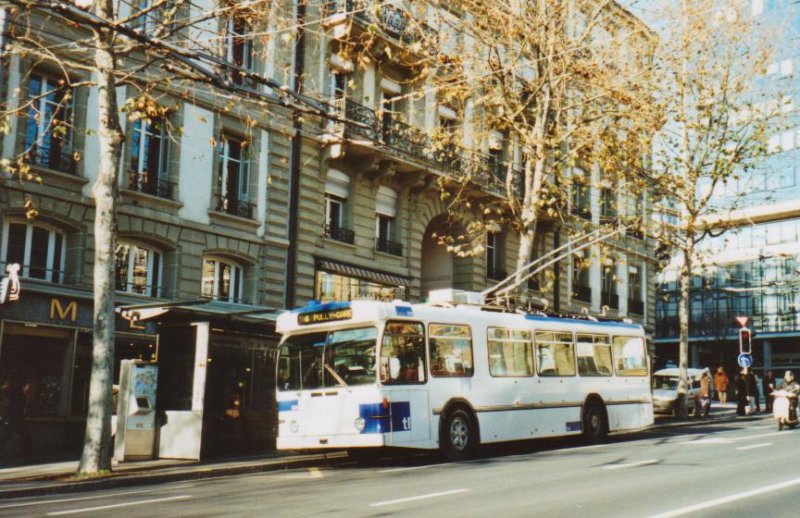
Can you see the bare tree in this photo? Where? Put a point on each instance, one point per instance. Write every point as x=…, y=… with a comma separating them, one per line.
x=718, y=114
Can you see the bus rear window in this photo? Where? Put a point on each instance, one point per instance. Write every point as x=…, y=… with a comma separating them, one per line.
x=329, y=359
x=629, y=356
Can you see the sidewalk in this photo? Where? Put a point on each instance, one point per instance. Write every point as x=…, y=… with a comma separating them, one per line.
x=717, y=412
x=55, y=478
x=45, y=479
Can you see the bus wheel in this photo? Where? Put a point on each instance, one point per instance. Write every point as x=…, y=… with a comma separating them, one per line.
x=459, y=436
x=595, y=423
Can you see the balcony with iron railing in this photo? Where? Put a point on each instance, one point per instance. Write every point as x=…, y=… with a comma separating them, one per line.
x=635, y=233
x=54, y=158
x=150, y=184
x=390, y=19
x=388, y=247
x=363, y=123
x=608, y=215
x=496, y=274
x=582, y=293
x=405, y=138
x=337, y=233
x=609, y=299
x=234, y=207
x=636, y=307
x=35, y=269
x=582, y=211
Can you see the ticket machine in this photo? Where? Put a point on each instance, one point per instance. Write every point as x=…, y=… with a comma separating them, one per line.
x=136, y=411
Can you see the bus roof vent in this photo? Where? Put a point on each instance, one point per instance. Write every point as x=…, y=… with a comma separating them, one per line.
x=451, y=296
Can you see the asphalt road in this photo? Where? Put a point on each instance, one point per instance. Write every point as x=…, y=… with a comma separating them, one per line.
x=739, y=468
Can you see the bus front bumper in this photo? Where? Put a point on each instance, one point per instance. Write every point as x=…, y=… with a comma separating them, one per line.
x=305, y=442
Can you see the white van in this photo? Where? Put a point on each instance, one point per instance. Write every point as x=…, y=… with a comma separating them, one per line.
x=665, y=389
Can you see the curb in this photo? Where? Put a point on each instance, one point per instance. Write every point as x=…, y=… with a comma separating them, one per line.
x=721, y=419
x=121, y=479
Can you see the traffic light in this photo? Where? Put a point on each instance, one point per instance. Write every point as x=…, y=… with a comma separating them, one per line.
x=745, y=341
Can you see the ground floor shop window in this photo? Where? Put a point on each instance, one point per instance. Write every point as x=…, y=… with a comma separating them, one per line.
x=42, y=363
x=55, y=364
x=334, y=286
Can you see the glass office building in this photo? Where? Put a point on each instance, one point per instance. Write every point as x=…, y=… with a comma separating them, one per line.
x=756, y=265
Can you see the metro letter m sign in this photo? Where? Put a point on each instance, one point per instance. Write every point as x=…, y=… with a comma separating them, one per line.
x=69, y=313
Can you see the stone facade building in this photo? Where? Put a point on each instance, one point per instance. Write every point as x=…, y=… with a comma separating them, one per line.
x=255, y=211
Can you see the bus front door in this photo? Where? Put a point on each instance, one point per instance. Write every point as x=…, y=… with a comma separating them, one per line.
x=410, y=417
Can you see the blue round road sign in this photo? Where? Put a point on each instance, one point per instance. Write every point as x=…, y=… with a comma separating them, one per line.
x=745, y=360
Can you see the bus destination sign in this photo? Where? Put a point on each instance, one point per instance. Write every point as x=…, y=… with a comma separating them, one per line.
x=324, y=315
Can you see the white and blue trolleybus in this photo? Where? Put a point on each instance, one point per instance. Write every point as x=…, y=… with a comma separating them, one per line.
x=366, y=374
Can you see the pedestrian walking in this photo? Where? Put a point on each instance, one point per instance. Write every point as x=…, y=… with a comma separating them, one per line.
x=12, y=420
x=742, y=398
x=753, y=395
x=768, y=384
x=705, y=395
x=721, y=382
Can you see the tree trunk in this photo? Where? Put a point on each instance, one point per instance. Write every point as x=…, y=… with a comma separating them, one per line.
x=97, y=445
x=534, y=177
x=683, y=333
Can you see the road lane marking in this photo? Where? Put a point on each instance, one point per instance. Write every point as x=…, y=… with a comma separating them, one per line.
x=727, y=499
x=753, y=446
x=762, y=427
x=759, y=436
x=710, y=440
x=315, y=473
x=632, y=464
x=95, y=497
x=419, y=497
x=410, y=468
x=117, y=506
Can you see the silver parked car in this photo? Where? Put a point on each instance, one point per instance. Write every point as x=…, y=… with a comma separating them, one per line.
x=665, y=389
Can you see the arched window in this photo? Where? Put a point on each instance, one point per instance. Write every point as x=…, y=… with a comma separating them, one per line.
x=222, y=280
x=39, y=249
x=138, y=269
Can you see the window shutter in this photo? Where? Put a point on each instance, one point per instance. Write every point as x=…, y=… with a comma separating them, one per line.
x=337, y=184
x=386, y=201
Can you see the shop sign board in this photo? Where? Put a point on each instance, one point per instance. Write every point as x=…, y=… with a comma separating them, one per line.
x=47, y=308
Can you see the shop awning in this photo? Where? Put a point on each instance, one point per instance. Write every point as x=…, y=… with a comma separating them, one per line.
x=201, y=309
x=369, y=274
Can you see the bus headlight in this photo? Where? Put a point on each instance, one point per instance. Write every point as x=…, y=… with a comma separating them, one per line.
x=359, y=424
x=294, y=427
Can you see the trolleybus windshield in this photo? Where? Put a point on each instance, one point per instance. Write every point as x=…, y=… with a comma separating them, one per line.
x=328, y=359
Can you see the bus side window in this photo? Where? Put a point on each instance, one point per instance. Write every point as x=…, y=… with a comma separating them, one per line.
x=510, y=352
x=451, y=350
x=403, y=353
x=555, y=354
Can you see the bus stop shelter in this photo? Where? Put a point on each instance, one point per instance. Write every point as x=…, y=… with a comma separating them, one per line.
x=216, y=377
